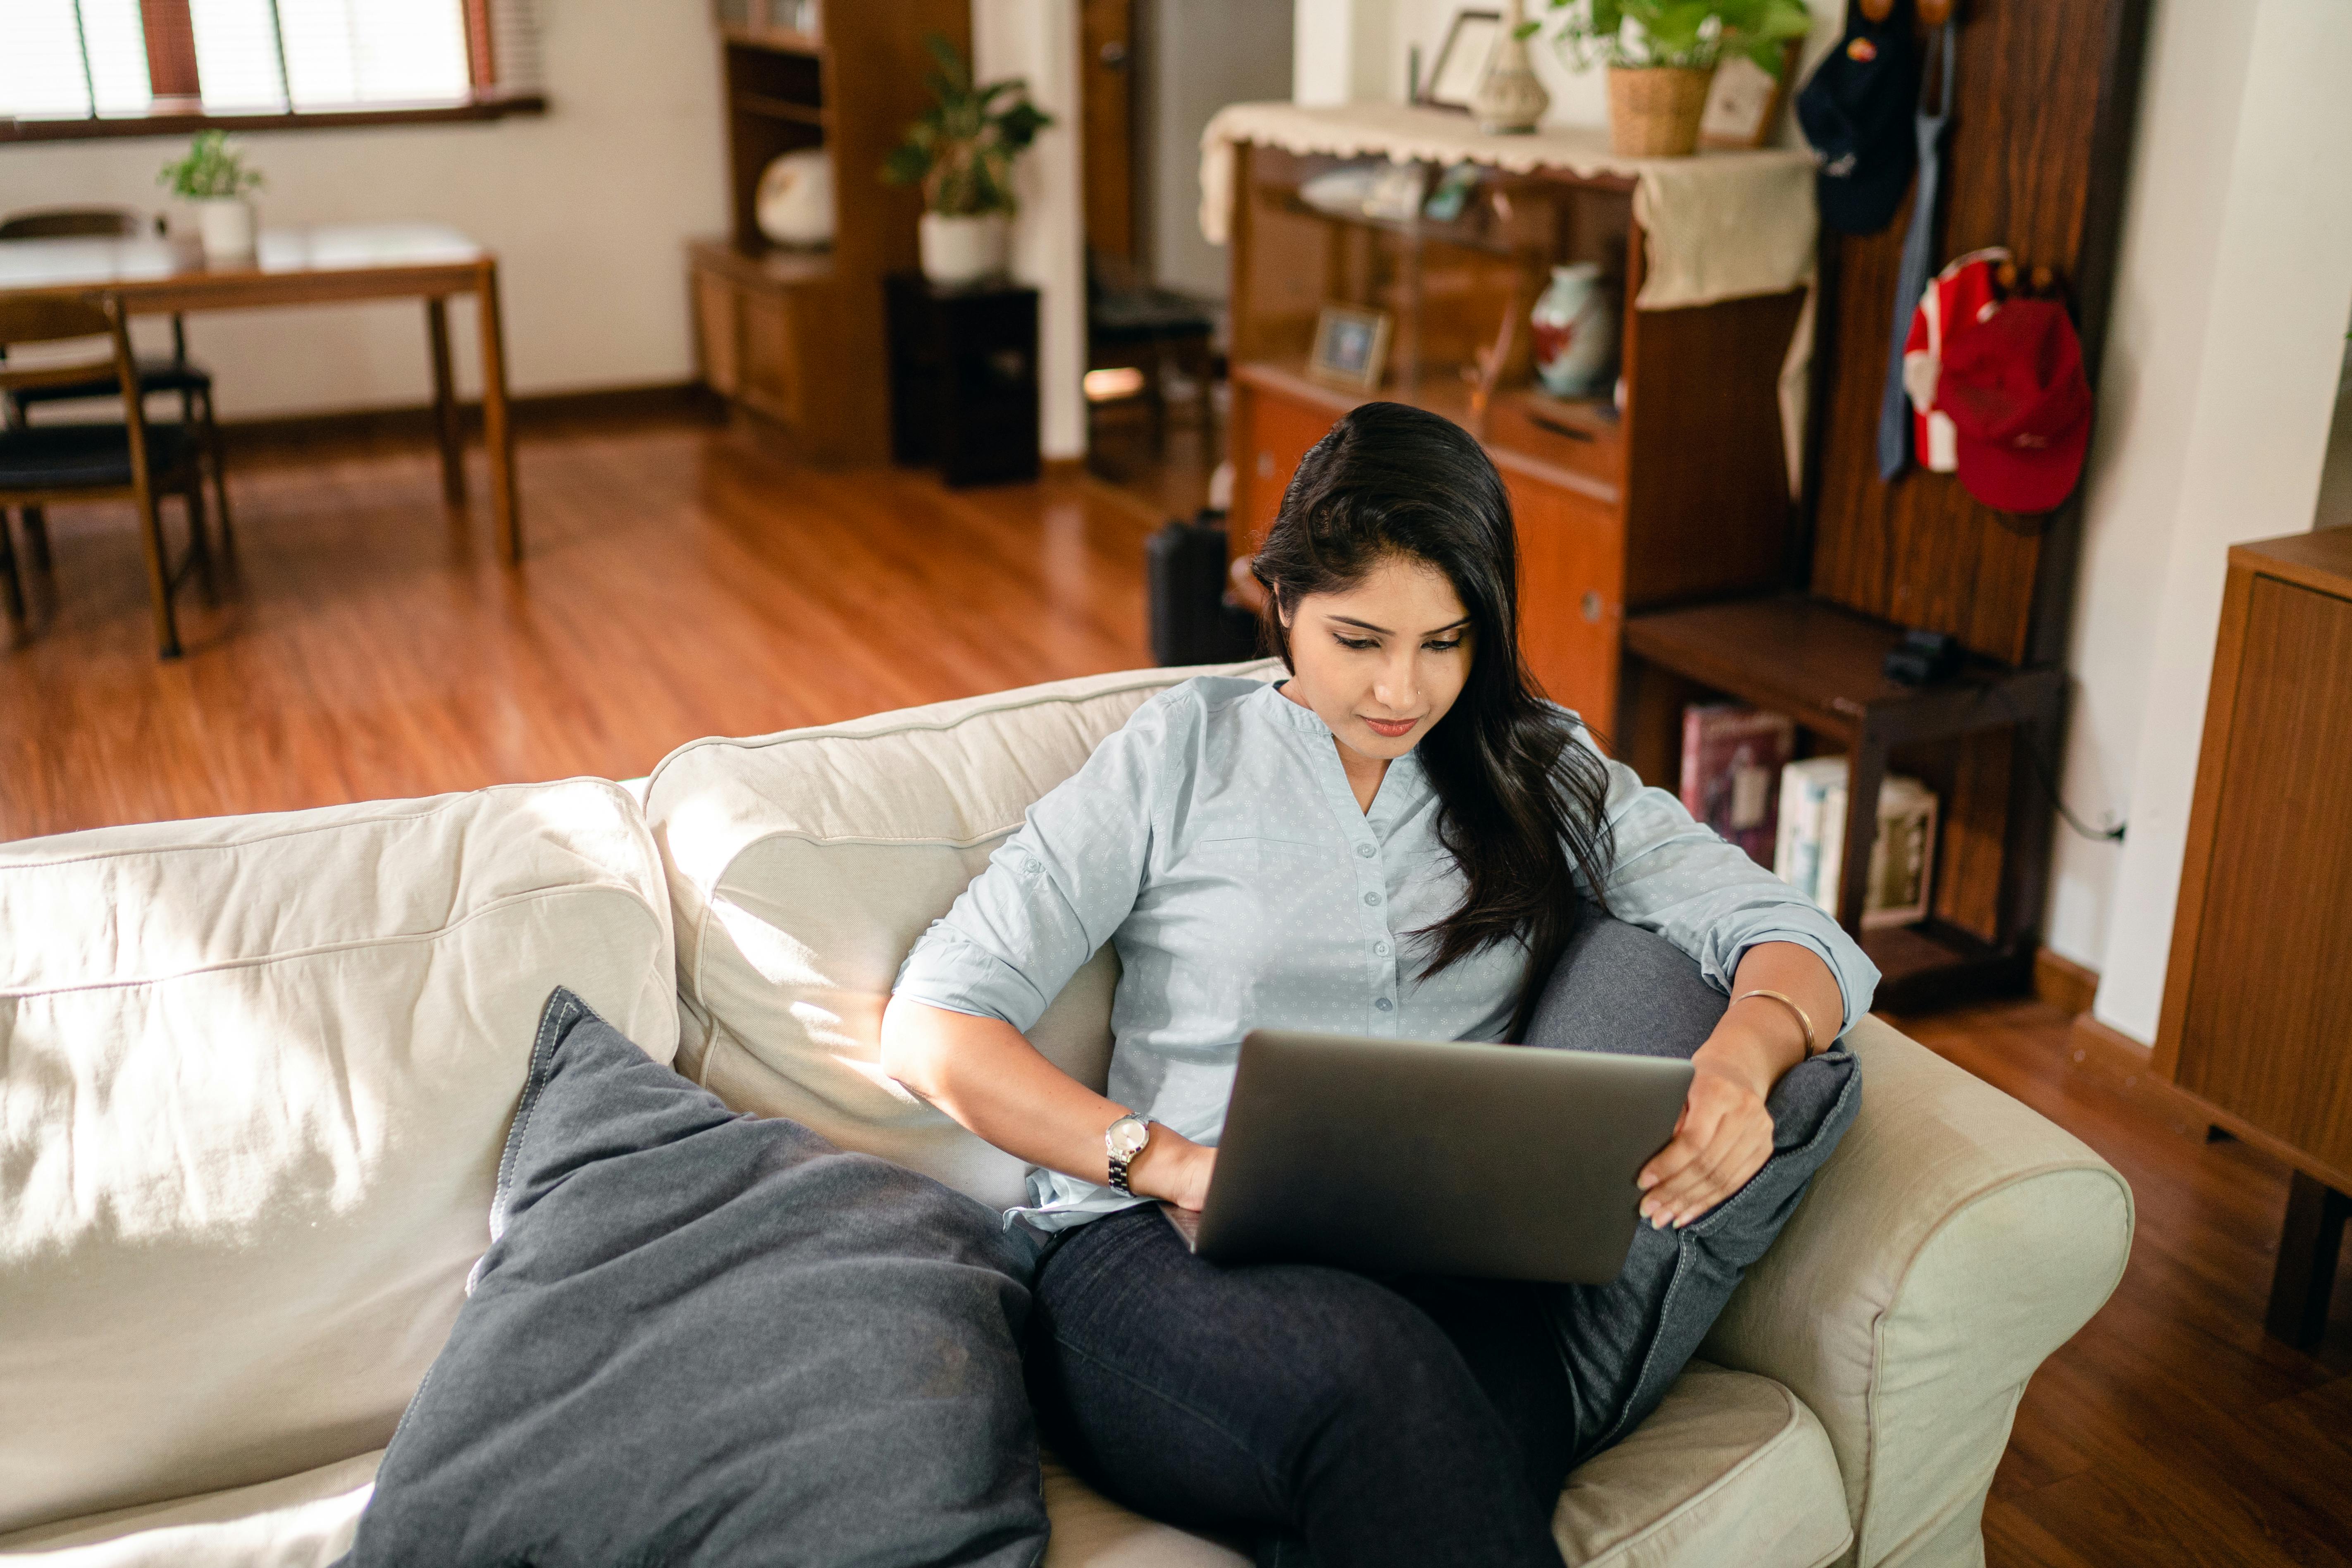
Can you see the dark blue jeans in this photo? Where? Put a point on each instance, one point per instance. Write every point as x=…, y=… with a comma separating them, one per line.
x=1330, y=1417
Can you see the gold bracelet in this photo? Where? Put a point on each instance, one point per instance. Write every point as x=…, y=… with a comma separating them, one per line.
x=1812, y=1041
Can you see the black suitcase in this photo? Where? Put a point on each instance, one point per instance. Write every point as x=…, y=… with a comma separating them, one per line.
x=1192, y=620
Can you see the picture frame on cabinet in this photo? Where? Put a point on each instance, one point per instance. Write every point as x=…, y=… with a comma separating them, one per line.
x=1462, y=59
x=1351, y=347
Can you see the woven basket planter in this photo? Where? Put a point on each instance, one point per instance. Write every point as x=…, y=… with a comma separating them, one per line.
x=1655, y=111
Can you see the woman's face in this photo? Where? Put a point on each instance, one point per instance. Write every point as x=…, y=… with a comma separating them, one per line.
x=1381, y=662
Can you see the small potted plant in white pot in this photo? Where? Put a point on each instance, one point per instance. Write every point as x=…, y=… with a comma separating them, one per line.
x=214, y=176
x=1662, y=55
x=960, y=153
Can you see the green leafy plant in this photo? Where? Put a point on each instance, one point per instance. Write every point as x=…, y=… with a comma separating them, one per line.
x=962, y=151
x=211, y=168
x=1692, y=34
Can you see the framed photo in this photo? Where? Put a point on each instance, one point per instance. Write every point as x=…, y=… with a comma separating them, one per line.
x=1744, y=103
x=1351, y=347
x=1462, y=59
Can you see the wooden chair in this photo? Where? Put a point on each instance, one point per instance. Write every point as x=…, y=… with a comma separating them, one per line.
x=192, y=383
x=44, y=464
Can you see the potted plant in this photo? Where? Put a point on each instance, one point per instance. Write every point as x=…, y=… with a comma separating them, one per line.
x=1662, y=55
x=214, y=176
x=960, y=153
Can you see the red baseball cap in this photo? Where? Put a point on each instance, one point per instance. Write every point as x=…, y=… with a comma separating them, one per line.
x=2013, y=385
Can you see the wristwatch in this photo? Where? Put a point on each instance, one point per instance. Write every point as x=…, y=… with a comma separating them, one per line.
x=1123, y=1141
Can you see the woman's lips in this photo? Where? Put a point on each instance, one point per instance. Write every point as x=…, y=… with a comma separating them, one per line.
x=1394, y=729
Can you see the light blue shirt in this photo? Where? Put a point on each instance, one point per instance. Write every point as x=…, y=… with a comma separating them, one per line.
x=1214, y=839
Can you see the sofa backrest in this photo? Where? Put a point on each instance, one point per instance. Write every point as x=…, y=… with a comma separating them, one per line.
x=254, y=1076
x=803, y=865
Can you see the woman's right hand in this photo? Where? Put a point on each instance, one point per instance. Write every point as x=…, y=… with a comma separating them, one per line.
x=1172, y=1168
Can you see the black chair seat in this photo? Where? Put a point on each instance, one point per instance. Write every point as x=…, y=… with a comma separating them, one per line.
x=84, y=456
x=1134, y=315
x=154, y=375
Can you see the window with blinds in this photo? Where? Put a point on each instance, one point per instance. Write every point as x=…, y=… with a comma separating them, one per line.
x=95, y=59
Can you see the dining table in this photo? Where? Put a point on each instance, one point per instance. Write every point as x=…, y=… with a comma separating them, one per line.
x=169, y=275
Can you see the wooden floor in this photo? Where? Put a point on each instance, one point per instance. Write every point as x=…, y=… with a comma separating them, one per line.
x=682, y=583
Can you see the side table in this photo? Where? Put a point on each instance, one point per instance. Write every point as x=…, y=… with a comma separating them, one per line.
x=963, y=378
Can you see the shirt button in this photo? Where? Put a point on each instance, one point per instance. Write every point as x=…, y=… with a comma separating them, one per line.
x=1380, y=949
x=1384, y=1004
x=1371, y=898
x=1366, y=850
x=1031, y=866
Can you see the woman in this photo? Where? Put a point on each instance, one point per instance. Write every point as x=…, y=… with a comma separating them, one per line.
x=1402, y=838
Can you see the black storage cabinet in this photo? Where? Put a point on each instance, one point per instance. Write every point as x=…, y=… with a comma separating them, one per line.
x=963, y=378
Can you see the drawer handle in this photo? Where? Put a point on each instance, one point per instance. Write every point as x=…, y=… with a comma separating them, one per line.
x=1592, y=606
x=1557, y=428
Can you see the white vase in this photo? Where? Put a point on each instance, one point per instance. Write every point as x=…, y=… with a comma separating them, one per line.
x=1575, y=330
x=226, y=224
x=962, y=249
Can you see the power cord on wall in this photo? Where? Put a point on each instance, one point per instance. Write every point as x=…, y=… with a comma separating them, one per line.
x=2047, y=776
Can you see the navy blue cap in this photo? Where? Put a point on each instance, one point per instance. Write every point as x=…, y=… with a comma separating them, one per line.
x=1859, y=111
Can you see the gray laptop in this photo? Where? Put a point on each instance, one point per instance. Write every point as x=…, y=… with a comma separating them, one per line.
x=1431, y=1157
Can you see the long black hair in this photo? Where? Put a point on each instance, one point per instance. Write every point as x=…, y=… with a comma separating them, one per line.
x=1522, y=805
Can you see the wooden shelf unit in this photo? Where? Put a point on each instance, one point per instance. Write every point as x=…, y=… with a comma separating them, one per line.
x=796, y=337
x=2257, y=1019
x=1613, y=513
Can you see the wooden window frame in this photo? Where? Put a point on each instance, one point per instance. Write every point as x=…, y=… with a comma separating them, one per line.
x=176, y=105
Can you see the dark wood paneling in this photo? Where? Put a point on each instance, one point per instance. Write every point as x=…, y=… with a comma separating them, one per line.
x=2035, y=162
x=1107, y=119
x=1707, y=484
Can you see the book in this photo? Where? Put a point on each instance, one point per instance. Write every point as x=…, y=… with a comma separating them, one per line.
x=1810, y=853
x=1732, y=758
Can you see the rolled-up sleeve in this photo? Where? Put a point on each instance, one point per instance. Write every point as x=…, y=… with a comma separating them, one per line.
x=1677, y=877
x=1054, y=892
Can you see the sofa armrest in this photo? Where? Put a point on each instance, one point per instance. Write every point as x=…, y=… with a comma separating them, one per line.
x=1953, y=1241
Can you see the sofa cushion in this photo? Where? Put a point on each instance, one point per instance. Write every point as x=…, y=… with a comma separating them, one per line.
x=1730, y=1468
x=699, y=1335
x=803, y=866
x=254, y=1073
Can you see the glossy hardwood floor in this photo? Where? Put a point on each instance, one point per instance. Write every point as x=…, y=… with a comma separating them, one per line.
x=683, y=582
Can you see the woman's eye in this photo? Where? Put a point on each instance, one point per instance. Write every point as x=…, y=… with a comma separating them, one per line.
x=1360, y=643
x=1443, y=647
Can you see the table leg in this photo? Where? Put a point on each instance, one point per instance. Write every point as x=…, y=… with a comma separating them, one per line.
x=497, y=436
x=1864, y=772
x=445, y=404
x=2306, y=1275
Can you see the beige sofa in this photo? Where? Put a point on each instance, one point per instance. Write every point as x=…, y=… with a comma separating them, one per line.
x=255, y=1072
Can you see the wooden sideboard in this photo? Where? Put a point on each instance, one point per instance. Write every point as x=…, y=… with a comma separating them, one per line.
x=2257, y=1020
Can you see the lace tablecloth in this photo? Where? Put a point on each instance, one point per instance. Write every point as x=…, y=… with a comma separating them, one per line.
x=1721, y=224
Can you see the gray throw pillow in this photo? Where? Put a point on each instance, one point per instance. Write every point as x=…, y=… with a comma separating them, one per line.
x=705, y=1338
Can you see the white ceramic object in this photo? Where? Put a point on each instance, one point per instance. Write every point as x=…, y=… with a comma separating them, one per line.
x=962, y=249
x=794, y=204
x=1509, y=100
x=227, y=226
x=1575, y=330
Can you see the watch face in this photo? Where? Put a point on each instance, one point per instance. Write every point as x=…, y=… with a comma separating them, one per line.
x=1128, y=1137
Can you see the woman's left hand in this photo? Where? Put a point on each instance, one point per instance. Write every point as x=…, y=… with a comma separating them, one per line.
x=1722, y=1138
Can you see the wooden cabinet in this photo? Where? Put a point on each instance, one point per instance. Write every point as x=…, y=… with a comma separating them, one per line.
x=795, y=337
x=2257, y=1019
x=1684, y=495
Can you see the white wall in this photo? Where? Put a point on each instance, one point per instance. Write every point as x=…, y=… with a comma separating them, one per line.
x=1356, y=49
x=588, y=206
x=1038, y=40
x=2245, y=461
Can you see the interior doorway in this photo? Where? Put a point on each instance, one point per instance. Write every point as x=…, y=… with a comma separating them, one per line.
x=1151, y=73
